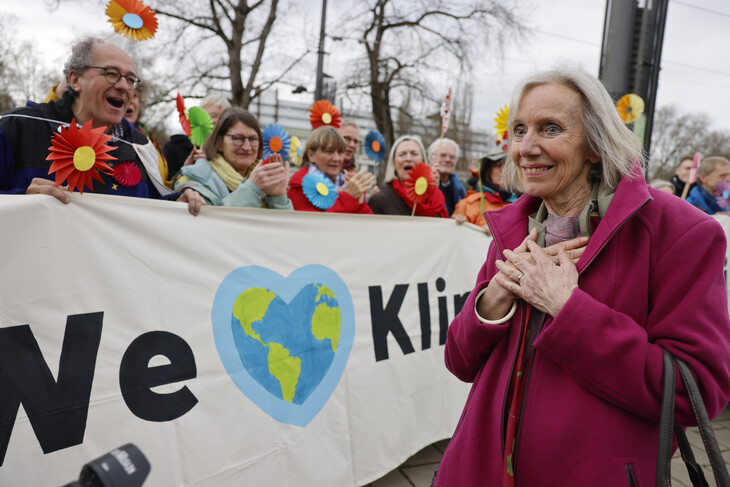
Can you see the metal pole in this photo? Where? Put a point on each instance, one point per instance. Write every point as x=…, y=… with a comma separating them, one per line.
x=320, y=54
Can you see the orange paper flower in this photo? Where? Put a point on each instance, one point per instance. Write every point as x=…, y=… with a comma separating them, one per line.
x=420, y=184
x=132, y=19
x=324, y=113
x=77, y=155
x=630, y=107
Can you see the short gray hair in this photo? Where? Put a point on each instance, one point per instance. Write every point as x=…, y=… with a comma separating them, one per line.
x=80, y=57
x=214, y=101
x=390, y=167
x=445, y=140
x=603, y=131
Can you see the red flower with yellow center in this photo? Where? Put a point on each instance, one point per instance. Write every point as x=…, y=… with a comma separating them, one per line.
x=324, y=113
x=78, y=154
x=420, y=184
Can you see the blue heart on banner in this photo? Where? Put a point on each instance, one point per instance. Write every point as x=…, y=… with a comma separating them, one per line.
x=284, y=341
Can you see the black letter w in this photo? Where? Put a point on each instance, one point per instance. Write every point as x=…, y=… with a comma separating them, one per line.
x=57, y=410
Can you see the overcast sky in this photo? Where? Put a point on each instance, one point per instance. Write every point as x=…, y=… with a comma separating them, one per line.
x=695, y=63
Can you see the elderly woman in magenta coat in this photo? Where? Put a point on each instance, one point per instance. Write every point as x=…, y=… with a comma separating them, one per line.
x=566, y=360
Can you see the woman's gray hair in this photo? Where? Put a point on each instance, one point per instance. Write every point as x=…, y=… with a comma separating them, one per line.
x=603, y=131
x=443, y=140
x=80, y=57
x=214, y=101
x=390, y=167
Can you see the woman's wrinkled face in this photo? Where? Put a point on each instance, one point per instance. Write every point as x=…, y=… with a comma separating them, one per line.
x=548, y=146
x=237, y=147
x=328, y=159
x=407, y=155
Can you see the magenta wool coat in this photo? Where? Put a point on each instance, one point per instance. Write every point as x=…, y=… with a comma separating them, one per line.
x=651, y=276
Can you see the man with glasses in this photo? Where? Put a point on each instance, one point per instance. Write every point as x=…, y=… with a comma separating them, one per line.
x=100, y=78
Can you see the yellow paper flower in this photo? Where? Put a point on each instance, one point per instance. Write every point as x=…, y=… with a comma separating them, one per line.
x=132, y=19
x=630, y=107
x=500, y=121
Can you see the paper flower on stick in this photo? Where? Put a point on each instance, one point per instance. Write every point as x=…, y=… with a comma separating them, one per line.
x=319, y=190
x=132, y=19
x=324, y=113
x=78, y=154
x=296, y=151
x=375, y=146
x=630, y=107
x=183, y=115
x=445, y=113
x=200, y=125
x=420, y=184
x=696, y=160
x=276, y=141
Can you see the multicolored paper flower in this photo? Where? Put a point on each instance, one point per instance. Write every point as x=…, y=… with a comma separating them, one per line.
x=319, y=191
x=183, y=115
x=276, y=141
x=375, y=146
x=420, y=184
x=127, y=174
x=630, y=107
x=296, y=150
x=324, y=113
x=78, y=154
x=132, y=19
x=200, y=125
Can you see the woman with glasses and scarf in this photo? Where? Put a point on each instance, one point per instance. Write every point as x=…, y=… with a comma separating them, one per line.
x=231, y=174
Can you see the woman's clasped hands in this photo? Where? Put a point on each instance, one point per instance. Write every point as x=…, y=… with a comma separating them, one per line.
x=544, y=278
x=358, y=184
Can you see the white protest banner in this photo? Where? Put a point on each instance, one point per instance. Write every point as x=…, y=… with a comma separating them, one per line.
x=241, y=347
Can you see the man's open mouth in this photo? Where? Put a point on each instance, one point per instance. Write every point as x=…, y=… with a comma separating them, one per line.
x=115, y=102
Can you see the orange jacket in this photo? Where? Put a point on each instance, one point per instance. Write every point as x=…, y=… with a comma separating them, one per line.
x=470, y=207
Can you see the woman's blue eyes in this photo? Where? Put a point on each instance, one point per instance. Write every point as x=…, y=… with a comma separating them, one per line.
x=549, y=130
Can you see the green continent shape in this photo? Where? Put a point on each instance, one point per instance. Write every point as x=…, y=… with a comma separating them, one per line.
x=285, y=368
x=326, y=324
x=323, y=290
x=250, y=306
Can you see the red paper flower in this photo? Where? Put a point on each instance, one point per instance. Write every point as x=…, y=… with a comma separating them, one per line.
x=77, y=154
x=183, y=115
x=127, y=174
x=324, y=113
x=420, y=184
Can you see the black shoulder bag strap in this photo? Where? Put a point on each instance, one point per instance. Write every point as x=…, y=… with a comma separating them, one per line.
x=666, y=425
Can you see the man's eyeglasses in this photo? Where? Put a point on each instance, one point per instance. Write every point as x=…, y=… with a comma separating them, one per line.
x=238, y=140
x=113, y=75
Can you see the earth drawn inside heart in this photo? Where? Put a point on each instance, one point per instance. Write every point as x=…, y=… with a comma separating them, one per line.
x=284, y=341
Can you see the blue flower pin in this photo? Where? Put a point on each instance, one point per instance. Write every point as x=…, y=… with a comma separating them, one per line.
x=375, y=146
x=276, y=141
x=319, y=191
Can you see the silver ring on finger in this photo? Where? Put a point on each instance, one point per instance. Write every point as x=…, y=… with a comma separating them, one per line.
x=520, y=276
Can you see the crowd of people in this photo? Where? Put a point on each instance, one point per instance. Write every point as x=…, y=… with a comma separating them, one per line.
x=100, y=86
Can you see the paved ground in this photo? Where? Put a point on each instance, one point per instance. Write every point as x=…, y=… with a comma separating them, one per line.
x=418, y=470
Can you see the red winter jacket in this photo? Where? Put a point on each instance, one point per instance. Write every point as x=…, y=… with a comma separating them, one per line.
x=651, y=275
x=345, y=202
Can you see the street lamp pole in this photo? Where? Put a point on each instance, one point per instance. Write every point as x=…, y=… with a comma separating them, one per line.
x=320, y=54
